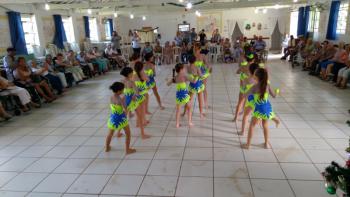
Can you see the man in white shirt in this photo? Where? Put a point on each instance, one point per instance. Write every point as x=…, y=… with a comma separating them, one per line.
x=10, y=63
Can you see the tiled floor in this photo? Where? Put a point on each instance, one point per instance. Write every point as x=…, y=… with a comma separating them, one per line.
x=58, y=150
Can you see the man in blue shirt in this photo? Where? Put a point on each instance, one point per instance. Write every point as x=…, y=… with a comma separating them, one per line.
x=260, y=44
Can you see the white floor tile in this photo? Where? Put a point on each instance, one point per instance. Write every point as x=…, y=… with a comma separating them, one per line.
x=265, y=170
x=197, y=168
x=269, y=188
x=226, y=169
x=24, y=182
x=232, y=187
x=300, y=171
x=58, y=183
x=123, y=185
x=135, y=167
x=164, y=167
x=158, y=186
x=195, y=186
x=89, y=184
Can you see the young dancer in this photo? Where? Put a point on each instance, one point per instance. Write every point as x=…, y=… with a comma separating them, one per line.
x=243, y=72
x=196, y=86
x=262, y=106
x=182, y=94
x=150, y=70
x=118, y=119
x=141, y=86
x=249, y=104
x=205, y=69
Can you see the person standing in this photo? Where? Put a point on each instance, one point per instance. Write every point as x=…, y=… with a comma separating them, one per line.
x=136, y=43
x=202, y=37
x=9, y=63
x=116, y=41
x=193, y=35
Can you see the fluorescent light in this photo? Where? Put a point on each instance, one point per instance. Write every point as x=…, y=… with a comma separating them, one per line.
x=181, y=1
x=131, y=16
x=295, y=1
x=89, y=11
x=256, y=10
x=198, y=13
x=115, y=14
x=189, y=5
x=47, y=6
x=264, y=10
x=277, y=6
x=144, y=18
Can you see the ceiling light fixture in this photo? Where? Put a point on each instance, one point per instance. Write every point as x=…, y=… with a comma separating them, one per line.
x=131, y=16
x=181, y=1
x=189, y=5
x=277, y=6
x=198, y=13
x=47, y=6
x=256, y=10
x=144, y=18
x=89, y=11
x=295, y=1
x=264, y=10
x=115, y=14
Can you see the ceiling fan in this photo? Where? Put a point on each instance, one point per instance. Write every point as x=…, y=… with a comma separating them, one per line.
x=182, y=5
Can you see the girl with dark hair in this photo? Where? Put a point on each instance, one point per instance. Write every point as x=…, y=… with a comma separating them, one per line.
x=182, y=94
x=141, y=86
x=262, y=106
x=118, y=120
x=150, y=70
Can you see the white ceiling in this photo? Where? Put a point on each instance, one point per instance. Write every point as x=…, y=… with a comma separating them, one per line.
x=145, y=6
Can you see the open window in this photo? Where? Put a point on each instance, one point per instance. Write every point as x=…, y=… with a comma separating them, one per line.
x=68, y=28
x=30, y=31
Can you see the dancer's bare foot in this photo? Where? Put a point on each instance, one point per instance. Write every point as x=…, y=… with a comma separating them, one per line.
x=267, y=146
x=178, y=125
x=190, y=124
x=161, y=107
x=241, y=133
x=202, y=115
x=146, y=122
x=277, y=122
x=245, y=146
x=130, y=151
x=107, y=149
x=145, y=136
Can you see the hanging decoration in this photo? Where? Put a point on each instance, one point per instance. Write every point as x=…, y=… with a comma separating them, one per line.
x=338, y=177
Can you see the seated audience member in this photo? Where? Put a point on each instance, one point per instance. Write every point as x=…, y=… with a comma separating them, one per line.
x=147, y=49
x=343, y=76
x=71, y=66
x=327, y=54
x=216, y=37
x=309, y=47
x=168, y=53
x=115, y=56
x=227, y=51
x=52, y=70
x=340, y=64
x=97, y=57
x=44, y=72
x=158, y=53
x=314, y=57
x=24, y=77
x=3, y=114
x=260, y=44
x=10, y=63
x=340, y=57
x=237, y=52
x=84, y=61
x=178, y=39
x=8, y=88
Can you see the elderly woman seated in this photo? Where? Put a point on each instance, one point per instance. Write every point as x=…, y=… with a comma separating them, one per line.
x=8, y=88
x=44, y=72
x=71, y=65
x=97, y=58
x=24, y=77
x=65, y=80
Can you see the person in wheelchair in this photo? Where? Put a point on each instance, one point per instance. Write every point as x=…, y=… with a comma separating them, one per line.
x=25, y=78
x=8, y=88
x=259, y=45
x=44, y=72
